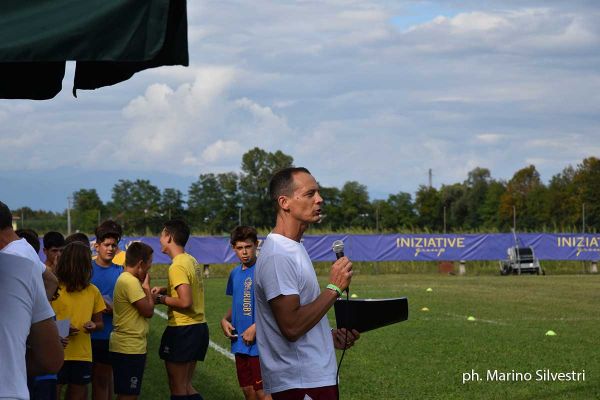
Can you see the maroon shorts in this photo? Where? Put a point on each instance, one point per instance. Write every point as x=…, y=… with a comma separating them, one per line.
x=318, y=393
x=248, y=371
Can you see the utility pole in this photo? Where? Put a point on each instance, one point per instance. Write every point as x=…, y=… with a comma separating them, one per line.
x=430, y=178
x=583, y=218
x=514, y=218
x=377, y=218
x=69, y=215
x=239, y=216
x=22, y=219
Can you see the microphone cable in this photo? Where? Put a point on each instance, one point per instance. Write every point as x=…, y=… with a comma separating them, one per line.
x=337, y=374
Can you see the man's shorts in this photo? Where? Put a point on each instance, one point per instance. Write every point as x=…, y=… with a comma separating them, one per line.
x=128, y=372
x=184, y=343
x=248, y=371
x=100, y=353
x=75, y=372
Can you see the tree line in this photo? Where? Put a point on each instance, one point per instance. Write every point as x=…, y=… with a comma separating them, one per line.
x=216, y=203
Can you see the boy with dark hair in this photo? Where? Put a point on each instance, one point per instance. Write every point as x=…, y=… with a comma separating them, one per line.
x=31, y=237
x=105, y=275
x=238, y=324
x=133, y=303
x=53, y=246
x=185, y=339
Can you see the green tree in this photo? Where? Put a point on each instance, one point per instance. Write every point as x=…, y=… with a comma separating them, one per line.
x=563, y=200
x=527, y=194
x=489, y=210
x=428, y=204
x=87, y=210
x=213, y=202
x=454, y=200
x=171, y=204
x=331, y=209
x=587, y=185
x=477, y=186
x=258, y=166
x=397, y=212
x=355, y=206
x=136, y=205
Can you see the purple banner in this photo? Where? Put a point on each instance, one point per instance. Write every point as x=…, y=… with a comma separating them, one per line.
x=404, y=247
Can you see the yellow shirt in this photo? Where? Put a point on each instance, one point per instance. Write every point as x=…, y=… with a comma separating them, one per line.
x=129, y=327
x=119, y=259
x=185, y=270
x=78, y=307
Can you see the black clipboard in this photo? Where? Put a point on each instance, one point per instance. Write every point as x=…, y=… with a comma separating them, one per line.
x=368, y=314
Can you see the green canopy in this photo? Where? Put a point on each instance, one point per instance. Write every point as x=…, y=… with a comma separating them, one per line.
x=109, y=39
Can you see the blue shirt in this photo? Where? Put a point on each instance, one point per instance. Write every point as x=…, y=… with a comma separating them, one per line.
x=104, y=278
x=241, y=287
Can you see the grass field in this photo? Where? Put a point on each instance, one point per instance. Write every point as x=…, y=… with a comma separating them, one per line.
x=426, y=356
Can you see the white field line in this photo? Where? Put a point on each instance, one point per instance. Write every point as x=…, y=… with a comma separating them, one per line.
x=487, y=321
x=211, y=344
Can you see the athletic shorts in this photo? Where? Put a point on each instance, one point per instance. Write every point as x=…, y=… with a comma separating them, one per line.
x=100, y=353
x=184, y=343
x=44, y=389
x=128, y=372
x=318, y=393
x=248, y=371
x=75, y=372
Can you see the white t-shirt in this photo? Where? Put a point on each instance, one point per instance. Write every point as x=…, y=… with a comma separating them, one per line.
x=24, y=303
x=284, y=268
x=23, y=249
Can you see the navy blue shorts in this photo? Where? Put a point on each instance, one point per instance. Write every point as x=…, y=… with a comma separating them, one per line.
x=128, y=372
x=75, y=372
x=100, y=353
x=184, y=343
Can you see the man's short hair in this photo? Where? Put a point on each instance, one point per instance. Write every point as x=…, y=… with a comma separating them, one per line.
x=243, y=233
x=282, y=183
x=179, y=230
x=108, y=229
x=5, y=216
x=31, y=237
x=136, y=252
x=78, y=237
x=54, y=239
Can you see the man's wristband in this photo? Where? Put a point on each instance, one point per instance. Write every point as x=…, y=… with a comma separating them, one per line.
x=331, y=286
x=160, y=299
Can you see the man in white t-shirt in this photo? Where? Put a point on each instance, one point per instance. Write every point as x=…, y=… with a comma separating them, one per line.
x=26, y=318
x=11, y=243
x=295, y=341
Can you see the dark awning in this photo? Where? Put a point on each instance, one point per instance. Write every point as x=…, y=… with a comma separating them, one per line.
x=109, y=39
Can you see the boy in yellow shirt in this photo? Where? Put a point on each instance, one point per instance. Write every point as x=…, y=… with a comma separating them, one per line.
x=185, y=339
x=132, y=304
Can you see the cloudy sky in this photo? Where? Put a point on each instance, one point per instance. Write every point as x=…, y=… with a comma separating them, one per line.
x=365, y=90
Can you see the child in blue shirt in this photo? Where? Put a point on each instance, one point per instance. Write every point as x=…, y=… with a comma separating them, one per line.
x=238, y=324
x=104, y=277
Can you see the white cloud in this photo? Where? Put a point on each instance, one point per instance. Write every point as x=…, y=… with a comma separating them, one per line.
x=339, y=87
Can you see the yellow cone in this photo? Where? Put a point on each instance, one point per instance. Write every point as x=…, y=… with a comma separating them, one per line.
x=471, y=318
x=550, y=333
x=424, y=309
x=429, y=289
x=354, y=295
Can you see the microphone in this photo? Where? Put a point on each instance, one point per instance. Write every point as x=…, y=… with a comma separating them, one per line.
x=338, y=249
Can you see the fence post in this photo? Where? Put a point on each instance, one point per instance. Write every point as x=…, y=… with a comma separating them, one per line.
x=461, y=267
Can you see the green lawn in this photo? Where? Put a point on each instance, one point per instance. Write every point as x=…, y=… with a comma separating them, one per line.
x=426, y=356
